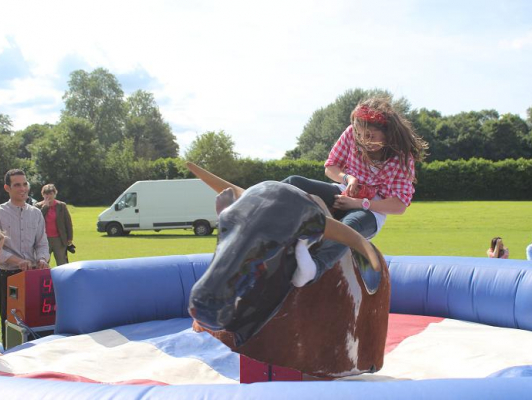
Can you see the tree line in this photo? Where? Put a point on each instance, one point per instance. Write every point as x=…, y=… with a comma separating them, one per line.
x=105, y=141
x=475, y=134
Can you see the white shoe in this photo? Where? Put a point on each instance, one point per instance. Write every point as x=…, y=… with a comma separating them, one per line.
x=306, y=267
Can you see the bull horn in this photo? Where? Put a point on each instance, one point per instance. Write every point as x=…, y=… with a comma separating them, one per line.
x=215, y=182
x=341, y=233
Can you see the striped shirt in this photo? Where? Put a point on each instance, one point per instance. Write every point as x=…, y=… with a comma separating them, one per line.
x=390, y=180
x=26, y=236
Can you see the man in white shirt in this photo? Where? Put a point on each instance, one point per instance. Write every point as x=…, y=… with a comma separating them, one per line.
x=25, y=246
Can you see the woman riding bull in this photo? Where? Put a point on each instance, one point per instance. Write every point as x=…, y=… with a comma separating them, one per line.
x=373, y=165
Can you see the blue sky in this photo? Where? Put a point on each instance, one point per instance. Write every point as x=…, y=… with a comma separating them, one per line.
x=259, y=69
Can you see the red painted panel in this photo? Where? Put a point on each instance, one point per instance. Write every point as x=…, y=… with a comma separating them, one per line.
x=31, y=294
x=253, y=371
x=286, y=374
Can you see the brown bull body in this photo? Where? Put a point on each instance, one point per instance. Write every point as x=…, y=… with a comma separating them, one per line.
x=331, y=328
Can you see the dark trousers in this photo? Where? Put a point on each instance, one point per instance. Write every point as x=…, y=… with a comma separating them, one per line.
x=3, y=299
x=362, y=221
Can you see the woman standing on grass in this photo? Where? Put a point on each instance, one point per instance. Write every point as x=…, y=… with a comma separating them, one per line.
x=497, y=249
x=58, y=223
x=373, y=165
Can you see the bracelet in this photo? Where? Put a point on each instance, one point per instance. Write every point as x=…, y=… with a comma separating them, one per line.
x=366, y=204
x=345, y=179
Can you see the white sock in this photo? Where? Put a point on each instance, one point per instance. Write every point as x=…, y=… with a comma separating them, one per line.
x=306, y=268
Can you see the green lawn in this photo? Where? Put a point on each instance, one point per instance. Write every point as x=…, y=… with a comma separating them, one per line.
x=427, y=228
x=93, y=245
x=458, y=228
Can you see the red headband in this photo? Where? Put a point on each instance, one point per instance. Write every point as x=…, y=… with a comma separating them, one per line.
x=367, y=114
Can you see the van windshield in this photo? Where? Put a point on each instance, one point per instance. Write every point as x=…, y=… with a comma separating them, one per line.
x=127, y=200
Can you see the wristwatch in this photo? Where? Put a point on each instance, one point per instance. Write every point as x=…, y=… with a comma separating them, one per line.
x=344, y=178
x=365, y=204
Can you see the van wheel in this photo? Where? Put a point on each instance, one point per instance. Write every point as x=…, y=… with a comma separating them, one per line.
x=202, y=229
x=114, y=229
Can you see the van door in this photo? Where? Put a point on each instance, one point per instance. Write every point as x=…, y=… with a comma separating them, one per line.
x=127, y=211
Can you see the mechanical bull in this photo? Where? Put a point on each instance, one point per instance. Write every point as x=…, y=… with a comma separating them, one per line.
x=332, y=328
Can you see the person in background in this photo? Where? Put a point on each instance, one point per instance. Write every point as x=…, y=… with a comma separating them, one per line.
x=25, y=245
x=497, y=249
x=2, y=239
x=59, y=228
x=529, y=252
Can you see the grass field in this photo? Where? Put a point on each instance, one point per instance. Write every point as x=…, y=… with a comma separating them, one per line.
x=427, y=228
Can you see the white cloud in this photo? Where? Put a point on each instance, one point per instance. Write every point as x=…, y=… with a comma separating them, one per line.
x=31, y=100
x=518, y=43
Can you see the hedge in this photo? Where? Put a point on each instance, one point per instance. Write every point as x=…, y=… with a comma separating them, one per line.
x=474, y=179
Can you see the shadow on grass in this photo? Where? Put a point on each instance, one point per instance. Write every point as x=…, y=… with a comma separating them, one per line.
x=158, y=236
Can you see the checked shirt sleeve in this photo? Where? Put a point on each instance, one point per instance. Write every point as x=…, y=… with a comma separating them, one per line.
x=340, y=151
x=403, y=184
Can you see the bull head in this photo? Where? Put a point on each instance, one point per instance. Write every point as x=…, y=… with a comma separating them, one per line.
x=250, y=274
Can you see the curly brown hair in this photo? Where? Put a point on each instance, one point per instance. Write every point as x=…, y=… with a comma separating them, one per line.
x=401, y=139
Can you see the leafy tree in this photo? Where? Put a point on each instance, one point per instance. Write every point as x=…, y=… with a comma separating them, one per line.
x=9, y=154
x=293, y=154
x=119, y=167
x=29, y=135
x=446, y=135
x=470, y=140
x=479, y=134
x=98, y=98
x=214, y=152
x=8, y=160
x=170, y=168
x=6, y=125
x=71, y=157
x=508, y=137
x=152, y=136
x=425, y=122
x=327, y=124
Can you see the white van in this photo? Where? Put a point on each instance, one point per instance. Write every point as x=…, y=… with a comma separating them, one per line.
x=165, y=204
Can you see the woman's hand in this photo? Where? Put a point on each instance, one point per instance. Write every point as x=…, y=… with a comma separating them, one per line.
x=497, y=248
x=352, y=183
x=342, y=202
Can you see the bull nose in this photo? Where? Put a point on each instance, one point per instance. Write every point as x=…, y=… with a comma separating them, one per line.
x=211, y=315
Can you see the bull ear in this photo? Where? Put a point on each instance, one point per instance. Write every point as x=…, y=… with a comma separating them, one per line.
x=341, y=233
x=215, y=182
x=224, y=200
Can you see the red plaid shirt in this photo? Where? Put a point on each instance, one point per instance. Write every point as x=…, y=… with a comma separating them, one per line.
x=389, y=181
